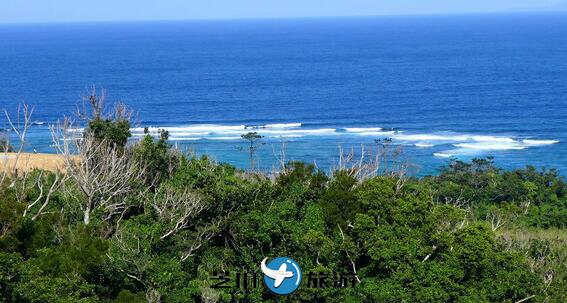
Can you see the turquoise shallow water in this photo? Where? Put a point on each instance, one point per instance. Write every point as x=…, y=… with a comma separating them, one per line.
x=441, y=87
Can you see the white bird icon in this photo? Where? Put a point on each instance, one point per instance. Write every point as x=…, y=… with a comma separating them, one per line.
x=278, y=275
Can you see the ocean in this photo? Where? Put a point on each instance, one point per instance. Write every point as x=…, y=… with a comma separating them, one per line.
x=440, y=87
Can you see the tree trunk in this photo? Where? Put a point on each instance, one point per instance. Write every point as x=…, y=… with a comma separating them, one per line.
x=87, y=216
x=251, y=149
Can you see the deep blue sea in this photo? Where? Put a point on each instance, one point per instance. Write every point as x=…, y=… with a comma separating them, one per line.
x=440, y=87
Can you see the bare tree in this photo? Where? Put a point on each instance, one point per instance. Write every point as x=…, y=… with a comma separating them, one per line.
x=46, y=189
x=175, y=208
x=19, y=126
x=102, y=173
x=458, y=202
x=130, y=252
x=350, y=259
x=281, y=156
x=202, y=235
x=496, y=220
x=15, y=165
x=381, y=159
x=93, y=106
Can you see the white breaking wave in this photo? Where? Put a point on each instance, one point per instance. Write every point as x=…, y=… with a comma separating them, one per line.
x=443, y=155
x=193, y=128
x=368, y=131
x=184, y=139
x=490, y=146
x=492, y=139
x=362, y=129
x=288, y=136
x=424, y=145
x=175, y=134
x=464, y=144
x=225, y=138
x=75, y=130
x=539, y=142
x=431, y=137
x=452, y=138
x=283, y=125
x=232, y=132
x=467, y=144
x=299, y=131
x=375, y=133
x=489, y=143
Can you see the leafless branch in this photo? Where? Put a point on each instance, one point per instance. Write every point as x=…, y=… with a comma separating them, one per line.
x=176, y=208
x=496, y=220
x=281, y=156
x=19, y=125
x=203, y=235
x=130, y=255
x=348, y=255
x=93, y=106
x=102, y=173
x=45, y=192
x=382, y=159
x=525, y=299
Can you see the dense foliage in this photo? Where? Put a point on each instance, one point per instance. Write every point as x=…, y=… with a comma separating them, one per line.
x=473, y=233
x=116, y=132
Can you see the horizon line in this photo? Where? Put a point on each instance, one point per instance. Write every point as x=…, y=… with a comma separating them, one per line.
x=214, y=19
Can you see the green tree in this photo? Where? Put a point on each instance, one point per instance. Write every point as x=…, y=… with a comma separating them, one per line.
x=114, y=132
x=156, y=156
x=111, y=127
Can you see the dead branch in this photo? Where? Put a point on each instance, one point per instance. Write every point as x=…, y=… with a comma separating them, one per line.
x=130, y=255
x=19, y=126
x=383, y=159
x=204, y=234
x=459, y=202
x=45, y=192
x=348, y=255
x=23, y=179
x=525, y=299
x=176, y=208
x=94, y=101
x=93, y=106
x=496, y=220
x=103, y=173
x=280, y=158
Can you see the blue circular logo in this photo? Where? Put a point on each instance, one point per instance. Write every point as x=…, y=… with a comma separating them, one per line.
x=282, y=275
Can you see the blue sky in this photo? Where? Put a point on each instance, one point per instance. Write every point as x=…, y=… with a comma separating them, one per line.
x=115, y=10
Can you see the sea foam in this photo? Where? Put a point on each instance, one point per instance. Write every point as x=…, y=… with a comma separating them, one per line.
x=362, y=129
x=539, y=142
x=283, y=125
x=491, y=145
x=463, y=144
